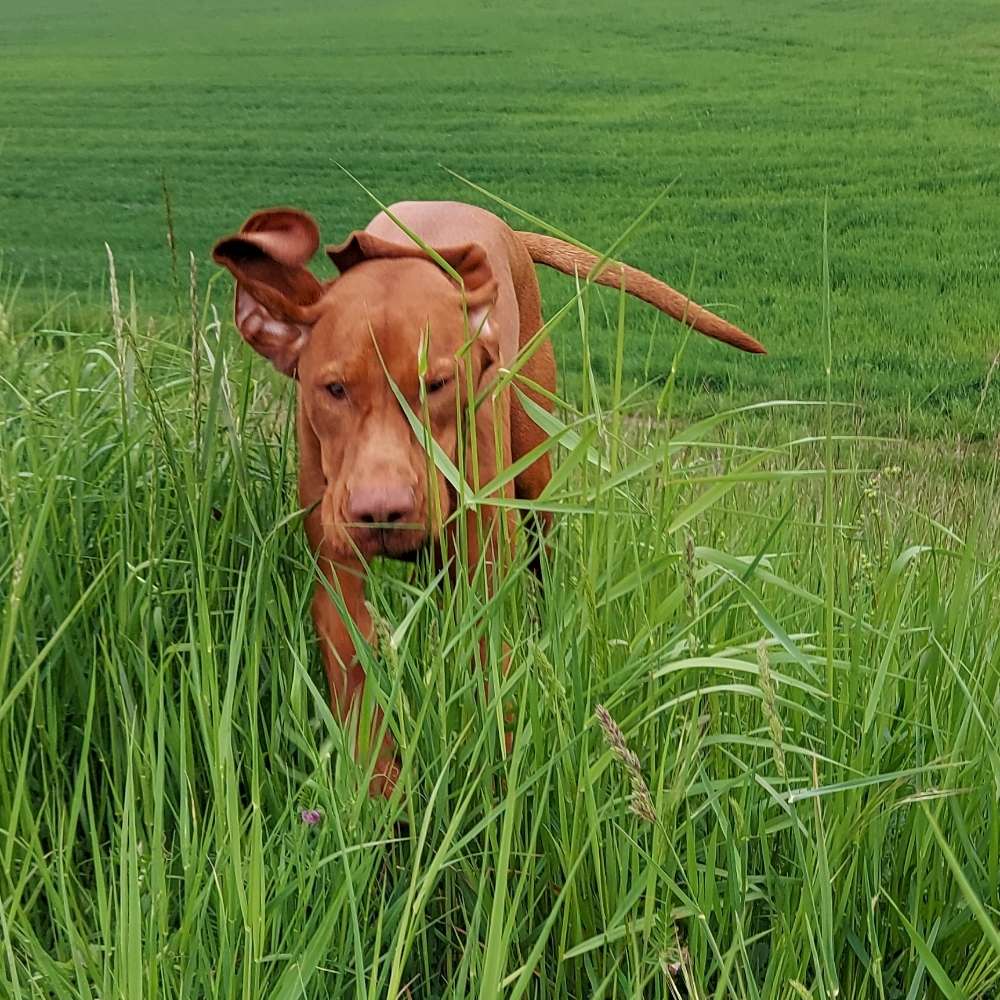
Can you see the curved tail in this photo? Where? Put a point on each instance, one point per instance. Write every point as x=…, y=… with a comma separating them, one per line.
x=569, y=259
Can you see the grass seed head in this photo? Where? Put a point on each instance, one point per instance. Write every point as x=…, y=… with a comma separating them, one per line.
x=770, y=703
x=640, y=801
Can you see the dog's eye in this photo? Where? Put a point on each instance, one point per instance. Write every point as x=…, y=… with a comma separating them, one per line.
x=436, y=385
x=337, y=390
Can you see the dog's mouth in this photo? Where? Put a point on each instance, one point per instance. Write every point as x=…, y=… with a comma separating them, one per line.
x=395, y=541
x=398, y=541
x=407, y=550
x=404, y=538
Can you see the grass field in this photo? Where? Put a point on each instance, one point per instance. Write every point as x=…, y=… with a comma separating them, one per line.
x=792, y=626
x=801, y=650
x=573, y=112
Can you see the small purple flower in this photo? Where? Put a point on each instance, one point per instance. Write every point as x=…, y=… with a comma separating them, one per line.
x=310, y=816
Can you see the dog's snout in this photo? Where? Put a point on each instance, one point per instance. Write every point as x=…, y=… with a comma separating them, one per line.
x=381, y=505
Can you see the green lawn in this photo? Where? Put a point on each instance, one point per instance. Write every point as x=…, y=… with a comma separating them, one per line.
x=574, y=111
x=794, y=624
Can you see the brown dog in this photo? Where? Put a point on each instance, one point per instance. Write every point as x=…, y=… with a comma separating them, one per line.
x=363, y=473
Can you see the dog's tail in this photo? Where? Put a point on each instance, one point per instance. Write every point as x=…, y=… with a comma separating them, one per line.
x=569, y=259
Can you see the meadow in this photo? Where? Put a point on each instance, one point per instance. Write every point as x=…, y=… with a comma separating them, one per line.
x=758, y=682
x=755, y=115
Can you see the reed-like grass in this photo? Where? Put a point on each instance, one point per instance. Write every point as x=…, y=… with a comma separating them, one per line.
x=756, y=690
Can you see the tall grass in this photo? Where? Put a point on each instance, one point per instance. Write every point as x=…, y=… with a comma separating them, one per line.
x=773, y=799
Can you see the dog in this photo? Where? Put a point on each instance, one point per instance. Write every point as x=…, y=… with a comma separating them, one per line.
x=436, y=326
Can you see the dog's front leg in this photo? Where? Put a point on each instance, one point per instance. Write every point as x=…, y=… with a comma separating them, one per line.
x=345, y=675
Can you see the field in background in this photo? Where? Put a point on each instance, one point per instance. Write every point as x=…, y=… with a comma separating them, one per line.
x=572, y=111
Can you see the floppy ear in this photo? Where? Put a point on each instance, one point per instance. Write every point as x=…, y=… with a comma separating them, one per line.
x=469, y=261
x=275, y=292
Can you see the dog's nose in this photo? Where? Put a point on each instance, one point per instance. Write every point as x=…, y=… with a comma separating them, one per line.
x=381, y=505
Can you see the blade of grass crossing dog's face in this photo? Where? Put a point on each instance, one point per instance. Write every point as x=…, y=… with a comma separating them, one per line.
x=441, y=461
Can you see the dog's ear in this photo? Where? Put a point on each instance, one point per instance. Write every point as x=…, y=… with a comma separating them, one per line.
x=276, y=294
x=469, y=261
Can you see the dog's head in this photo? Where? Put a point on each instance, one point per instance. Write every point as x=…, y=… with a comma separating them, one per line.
x=354, y=343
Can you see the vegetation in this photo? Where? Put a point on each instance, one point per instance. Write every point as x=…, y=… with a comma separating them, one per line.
x=756, y=694
x=757, y=685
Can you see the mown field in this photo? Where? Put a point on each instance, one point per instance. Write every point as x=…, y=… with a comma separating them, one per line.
x=758, y=684
x=571, y=111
